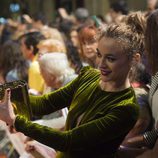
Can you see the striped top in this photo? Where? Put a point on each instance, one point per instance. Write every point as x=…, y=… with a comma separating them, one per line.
x=153, y=98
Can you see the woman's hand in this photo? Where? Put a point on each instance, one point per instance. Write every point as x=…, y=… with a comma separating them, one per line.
x=6, y=109
x=136, y=142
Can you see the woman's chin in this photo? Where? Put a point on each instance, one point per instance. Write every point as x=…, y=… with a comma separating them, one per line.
x=105, y=78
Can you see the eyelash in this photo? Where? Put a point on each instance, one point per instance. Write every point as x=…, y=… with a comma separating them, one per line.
x=98, y=54
x=110, y=59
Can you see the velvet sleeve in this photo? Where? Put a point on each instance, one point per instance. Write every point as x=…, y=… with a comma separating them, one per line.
x=56, y=100
x=53, y=101
x=116, y=123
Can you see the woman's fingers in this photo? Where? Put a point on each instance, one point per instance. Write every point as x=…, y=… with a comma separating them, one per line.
x=137, y=141
x=29, y=147
x=7, y=96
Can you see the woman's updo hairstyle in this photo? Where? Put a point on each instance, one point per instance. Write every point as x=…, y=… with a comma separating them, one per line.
x=130, y=33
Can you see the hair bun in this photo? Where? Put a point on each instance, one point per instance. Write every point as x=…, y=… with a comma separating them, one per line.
x=137, y=22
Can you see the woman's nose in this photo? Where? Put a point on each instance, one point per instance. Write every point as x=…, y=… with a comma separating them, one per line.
x=102, y=62
x=87, y=46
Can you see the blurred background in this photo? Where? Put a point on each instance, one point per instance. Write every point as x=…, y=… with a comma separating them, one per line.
x=13, y=8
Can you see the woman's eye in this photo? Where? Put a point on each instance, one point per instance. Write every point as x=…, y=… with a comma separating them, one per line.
x=111, y=59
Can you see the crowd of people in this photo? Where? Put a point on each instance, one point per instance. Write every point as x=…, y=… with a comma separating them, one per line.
x=92, y=83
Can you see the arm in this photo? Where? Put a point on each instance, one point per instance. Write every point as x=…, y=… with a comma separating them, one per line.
x=56, y=100
x=141, y=125
x=84, y=135
x=148, y=139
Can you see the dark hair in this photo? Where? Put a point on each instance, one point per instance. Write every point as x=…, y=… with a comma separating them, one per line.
x=32, y=39
x=39, y=17
x=11, y=58
x=120, y=6
x=66, y=26
x=151, y=39
x=140, y=74
x=130, y=33
x=73, y=56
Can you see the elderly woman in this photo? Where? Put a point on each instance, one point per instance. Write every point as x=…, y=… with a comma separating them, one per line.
x=56, y=72
x=55, y=69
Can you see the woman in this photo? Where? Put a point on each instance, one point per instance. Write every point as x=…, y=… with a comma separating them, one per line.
x=88, y=43
x=12, y=64
x=55, y=69
x=102, y=104
x=56, y=72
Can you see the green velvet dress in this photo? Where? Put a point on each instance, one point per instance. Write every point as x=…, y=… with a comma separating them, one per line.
x=97, y=121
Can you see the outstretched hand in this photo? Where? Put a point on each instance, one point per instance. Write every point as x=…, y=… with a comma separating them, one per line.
x=6, y=109
x=137, y=141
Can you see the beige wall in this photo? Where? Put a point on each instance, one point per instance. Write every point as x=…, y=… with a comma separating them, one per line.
x=48, y=8
x=102, y=6
x=45, y=6
x=97, y=6
x=94, y=6
x=137, y=4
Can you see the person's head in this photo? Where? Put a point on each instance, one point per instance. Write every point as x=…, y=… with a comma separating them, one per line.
x=11, y=58
x=88, y=41
x=151, y=5
x=52, y=33
x=29, y=42
x=151, y=39
x=39, y=20
x=119, y=48
x=81, y=14
x=118, y=8
x=51, y=45
x=54, y=68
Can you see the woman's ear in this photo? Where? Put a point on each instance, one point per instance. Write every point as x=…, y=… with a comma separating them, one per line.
x=31, y=48
x=136, y=58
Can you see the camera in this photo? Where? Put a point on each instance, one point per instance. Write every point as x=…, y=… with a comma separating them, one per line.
x=19, y=97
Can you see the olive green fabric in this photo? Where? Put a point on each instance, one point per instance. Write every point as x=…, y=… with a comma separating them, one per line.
x=106, y=118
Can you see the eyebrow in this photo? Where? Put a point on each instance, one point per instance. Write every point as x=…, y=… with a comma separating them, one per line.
x=108, y=55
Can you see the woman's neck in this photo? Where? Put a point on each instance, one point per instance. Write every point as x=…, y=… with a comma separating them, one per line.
x=113, y=86
x=91, y=61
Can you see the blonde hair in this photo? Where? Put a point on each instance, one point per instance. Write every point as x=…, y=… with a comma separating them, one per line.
x=52, y=33
x=52, y=45
x=130, y=33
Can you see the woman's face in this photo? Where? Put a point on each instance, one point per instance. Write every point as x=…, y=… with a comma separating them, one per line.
x=89, y=49
x=114, y=64
x=151, y=4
